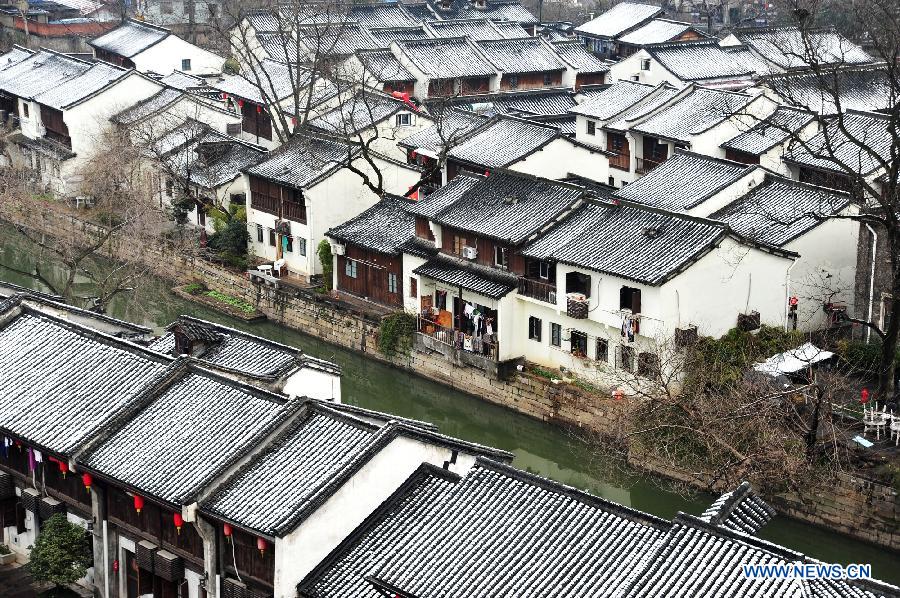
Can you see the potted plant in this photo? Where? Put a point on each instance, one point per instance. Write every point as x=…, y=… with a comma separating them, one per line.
x=7, y=557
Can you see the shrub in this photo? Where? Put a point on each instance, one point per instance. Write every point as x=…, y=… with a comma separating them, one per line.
x=327, y=260
x=239, y=304
x=195, y=288
x=395, y=335
x=4, y=549
x=61, y=554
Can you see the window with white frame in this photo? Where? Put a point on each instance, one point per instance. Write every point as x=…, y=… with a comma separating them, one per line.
x=392, y=282
x=404, y=119
x=501, y=257
x=534, y=328
x=301, y=246
x=350, y=268
x=591, y=127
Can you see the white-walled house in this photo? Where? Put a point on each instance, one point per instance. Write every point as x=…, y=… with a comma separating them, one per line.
x=446, y=67
x=304, y=188
x=151, y=48
x=377, y=119
x=766, y=141
x=168, y=109
x=63, y=105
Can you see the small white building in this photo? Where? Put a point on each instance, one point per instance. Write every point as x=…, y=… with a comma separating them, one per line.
x=308, y=186
x=151, y=48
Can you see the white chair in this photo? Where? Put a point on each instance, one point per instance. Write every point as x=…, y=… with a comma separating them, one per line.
x=279, y=267
x=895, y=429
x=873, y=418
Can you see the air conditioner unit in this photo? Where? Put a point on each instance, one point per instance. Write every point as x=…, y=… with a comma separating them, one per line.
x=470, y=253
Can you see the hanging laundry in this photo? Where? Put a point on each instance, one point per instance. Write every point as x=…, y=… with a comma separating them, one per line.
x=469, y=310
x=628, y=329
x=31, y=463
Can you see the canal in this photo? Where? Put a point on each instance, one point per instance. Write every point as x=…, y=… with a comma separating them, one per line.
x=538, y=447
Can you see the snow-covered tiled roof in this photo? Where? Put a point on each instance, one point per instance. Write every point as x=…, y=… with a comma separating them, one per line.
x=521, y=55
x=446, y=58
x=357, y=113
x=15, y=55
x=509, y=207
x=532, y=102
x=72, y=91
x=444, y=196
x=741, y=510
x=303, y=161
x=865, y=89
x=474, y=29
x=620, y=18
x=625, y=119
x=693, y=114
x=183, y=81
x=779, y=210
x=770, y=131
x=271, y=488
x=130, y=38
x=385, y=35
x=632, y=242
x=705, y=60
x=575, y=54
x=214, y=159
x=451, y=126
x=170, y=447
x=615, y=99
x=655, y=31
x=507, y=530
x=152, y=105
x=383, y=65
x=832, y=149
x=789, y=48
x=684, y=181
x=336, y=39
x=482, y=280
x=502, y=141
x=382, y=14
x=384, y=227
x=61, y=382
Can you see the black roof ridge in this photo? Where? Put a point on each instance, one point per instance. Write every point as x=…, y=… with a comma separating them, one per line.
x=147, y=24
x=833, y=69
x=667, y=20
x=774, y=177
x=89, y=63
x=420, y=475
x=643, y=207
x=234, y=331
x=147, y=100
x=455, y=38
x=407, y=429
x=462, y=20
x=20, y=290
x=395, y=28
x=573, y=492
x=685, y=44
x=353, y=409
x=526, y=38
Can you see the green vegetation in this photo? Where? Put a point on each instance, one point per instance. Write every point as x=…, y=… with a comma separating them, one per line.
x=395, y=335
x=730, y=356
x=864, y=358
x=195, y=288
x=231, y=237
x=232, y=66
x=327, y=261
x=234, y=302
x=4, y=549
x=61, y=554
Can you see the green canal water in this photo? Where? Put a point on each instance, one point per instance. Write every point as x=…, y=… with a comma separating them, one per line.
x=538, y=447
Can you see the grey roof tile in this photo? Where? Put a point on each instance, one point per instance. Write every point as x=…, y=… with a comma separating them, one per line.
x=61, y=382
x=863, y=89
x=383, y=65
x=769, y=132
x=382, y=14
x=521, y=55
x=183, y=81
x=44, y=71
x=450, y=127
x=385, y=35
x=76, y=89
x=655, y=31
x=180, y=432
x=574, y=53
x=473, y=277
x=740, y=509
x=693, y=114
x=130, y=38
x=214, y=159
x=14, y=56
x=446, y=58
x=152, y=105
x=684, y=181
x=789, y=48
x=620, y=18
x=474, y=29
x=336, y=39
x=384, y=227
x=535, y=102
x=502, y=141
x=302, y=161
x=832, y=149
x=632, y=242
x=780, y=210
x=441, y=198
x=358, y=113
x=706, y=60
x=616, y=98
x=284, y=479
x=509, y=207
x=624, y=120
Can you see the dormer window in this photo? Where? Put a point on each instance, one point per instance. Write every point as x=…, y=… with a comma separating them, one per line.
x=645, y=64
x=183, y=344
x=186, y=64
x=480, y=3
x=404, y=119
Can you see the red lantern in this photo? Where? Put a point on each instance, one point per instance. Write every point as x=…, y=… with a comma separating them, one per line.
x=179, y=521
x=294, y=120
x=63, y=468
x=487, y=173
x=226, y=530
x=259, y=109
x=618, y=394
x=224, y=96
x=116, y=565
x=138, y=503
x=87, y=479
x=413, y=155
x=864, y=396
x=241, y=103
x=261, y=545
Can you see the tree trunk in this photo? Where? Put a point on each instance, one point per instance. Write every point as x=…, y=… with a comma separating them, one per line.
x=889, y=341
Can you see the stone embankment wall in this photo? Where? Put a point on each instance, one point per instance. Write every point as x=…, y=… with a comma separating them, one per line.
x=860, y=508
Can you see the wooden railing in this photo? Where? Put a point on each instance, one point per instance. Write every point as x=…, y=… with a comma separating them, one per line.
x=645, y=165
x=542, y=291
x=270, y=205
x=620, y=161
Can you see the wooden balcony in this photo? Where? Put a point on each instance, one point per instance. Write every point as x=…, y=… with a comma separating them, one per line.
x=645, y=165
x=542, y=291
x=292, y=211
x=620, y=161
